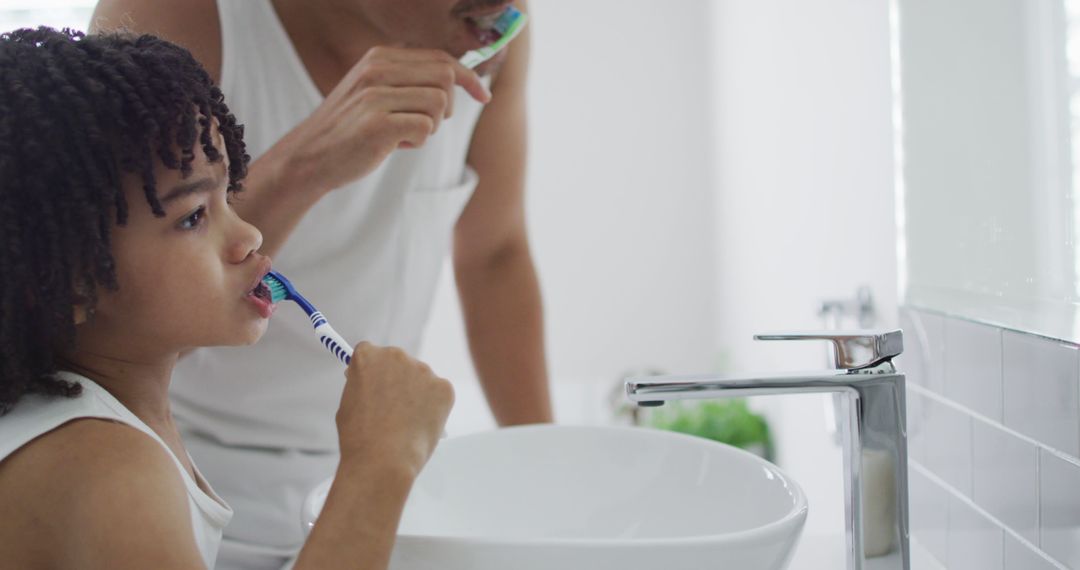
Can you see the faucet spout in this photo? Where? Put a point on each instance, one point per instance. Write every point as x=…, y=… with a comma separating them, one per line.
x=874, y=434
x=655, y=390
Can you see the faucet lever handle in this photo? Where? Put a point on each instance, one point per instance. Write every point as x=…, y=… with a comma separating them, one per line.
x=854, y=350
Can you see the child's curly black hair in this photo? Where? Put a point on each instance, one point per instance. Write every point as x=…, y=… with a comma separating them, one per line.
x=76, y=113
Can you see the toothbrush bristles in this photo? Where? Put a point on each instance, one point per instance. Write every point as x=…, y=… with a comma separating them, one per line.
x=278, y=292
x=506, y=19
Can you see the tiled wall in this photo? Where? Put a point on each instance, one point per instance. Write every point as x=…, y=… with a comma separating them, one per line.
x=994, y=438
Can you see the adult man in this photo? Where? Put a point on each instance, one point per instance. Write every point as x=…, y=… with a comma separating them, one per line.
x=359, y=184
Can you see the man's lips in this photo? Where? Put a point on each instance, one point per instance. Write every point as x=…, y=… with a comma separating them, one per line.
x=486, y=9
x=485, y=36
x=481, y=24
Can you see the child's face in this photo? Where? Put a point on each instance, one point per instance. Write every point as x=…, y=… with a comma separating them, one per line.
x=186, y=279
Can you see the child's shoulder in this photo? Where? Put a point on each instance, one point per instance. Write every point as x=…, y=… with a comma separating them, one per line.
x=70, y=479
x=90, y=454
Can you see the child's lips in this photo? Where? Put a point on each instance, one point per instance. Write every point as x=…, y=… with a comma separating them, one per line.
x=262, y=291
x=259, y=293
x=262, y=304
x=260, y=273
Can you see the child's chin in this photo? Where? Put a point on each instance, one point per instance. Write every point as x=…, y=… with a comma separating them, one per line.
x=251, y=334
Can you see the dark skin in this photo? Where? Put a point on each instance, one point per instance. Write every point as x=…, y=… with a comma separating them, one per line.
x=95, y=494
x=381, y=98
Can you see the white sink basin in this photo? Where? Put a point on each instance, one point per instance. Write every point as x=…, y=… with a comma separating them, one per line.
x=592, y=498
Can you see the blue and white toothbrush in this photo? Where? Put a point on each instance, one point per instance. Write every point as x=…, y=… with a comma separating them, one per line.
x=281, y=289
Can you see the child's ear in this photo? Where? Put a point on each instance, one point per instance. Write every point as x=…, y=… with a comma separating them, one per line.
x=82, y=310
x=81, y=313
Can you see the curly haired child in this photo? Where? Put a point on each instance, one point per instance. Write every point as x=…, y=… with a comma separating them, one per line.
x=119, y=250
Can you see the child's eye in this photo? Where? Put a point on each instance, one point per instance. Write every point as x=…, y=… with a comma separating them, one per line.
x=194, y=220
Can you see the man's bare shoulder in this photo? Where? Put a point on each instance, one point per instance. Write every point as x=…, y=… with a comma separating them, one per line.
x=66, y=482
x=193, y=24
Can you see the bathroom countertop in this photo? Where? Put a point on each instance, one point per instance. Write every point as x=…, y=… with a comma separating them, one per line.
x=826, y=552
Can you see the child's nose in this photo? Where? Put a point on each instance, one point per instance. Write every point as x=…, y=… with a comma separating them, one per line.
x=246, y=239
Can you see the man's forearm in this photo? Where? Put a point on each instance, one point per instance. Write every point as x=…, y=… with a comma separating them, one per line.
x=276, y=196
x=504, y=321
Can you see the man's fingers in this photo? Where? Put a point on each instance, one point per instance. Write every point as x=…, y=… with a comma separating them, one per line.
x=429, y=101
x=411, y=129
x=419, y=74
x=470, y=81
x=463, y=76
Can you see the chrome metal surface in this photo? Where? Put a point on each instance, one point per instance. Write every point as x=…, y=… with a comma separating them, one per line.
x=874, y=420
x=860, y=308
x=854, y=350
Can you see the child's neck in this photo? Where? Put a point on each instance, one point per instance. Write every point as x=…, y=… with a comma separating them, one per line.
x=140, y=384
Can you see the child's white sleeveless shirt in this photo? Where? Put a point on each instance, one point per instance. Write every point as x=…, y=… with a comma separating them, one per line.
x=36, y=415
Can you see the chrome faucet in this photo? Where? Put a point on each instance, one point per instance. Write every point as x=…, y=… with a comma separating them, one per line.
x=873, y=416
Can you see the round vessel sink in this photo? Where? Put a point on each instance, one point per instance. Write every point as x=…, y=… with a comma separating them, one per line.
x=553, y=497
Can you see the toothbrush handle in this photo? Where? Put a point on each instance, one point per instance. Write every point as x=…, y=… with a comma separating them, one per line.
x=335, y=344
x=331, y=339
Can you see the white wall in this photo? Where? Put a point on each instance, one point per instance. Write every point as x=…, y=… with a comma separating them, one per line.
x=620, y=200
x=804, y=209
x=700, y=170
x=698, y=175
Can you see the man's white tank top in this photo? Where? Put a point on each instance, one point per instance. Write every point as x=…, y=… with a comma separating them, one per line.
x=36, y=415
x=368, y=255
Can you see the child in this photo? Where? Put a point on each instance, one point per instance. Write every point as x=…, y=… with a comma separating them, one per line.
x=119, y=250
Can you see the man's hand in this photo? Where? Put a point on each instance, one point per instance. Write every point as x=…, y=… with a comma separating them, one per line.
x=392, y=98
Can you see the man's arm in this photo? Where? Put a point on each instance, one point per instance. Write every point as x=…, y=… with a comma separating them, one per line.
x=193, y=24
x=496, y=278
x=392, y=98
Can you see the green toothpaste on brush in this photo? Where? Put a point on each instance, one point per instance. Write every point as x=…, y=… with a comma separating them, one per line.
x=500, y=29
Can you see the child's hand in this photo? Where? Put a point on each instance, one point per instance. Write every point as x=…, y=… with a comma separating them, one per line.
x=393, y=409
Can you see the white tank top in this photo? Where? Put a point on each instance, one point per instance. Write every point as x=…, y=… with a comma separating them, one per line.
x=368, y=255
x=35, y=415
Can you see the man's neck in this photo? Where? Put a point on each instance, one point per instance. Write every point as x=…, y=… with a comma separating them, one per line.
x=329, y=30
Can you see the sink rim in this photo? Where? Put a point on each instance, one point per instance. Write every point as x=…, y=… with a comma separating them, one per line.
x=798, y=510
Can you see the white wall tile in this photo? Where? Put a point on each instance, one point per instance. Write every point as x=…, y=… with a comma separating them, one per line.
x=924, y=348
x=973, y=366
x=1004, y=478
x=1042, y=390
x=916, y=426
x=1059, y=503
x=929, y=504
x=1031, y=386
x=917, y=429
x=948, y=444
x=1019, y=556
x=975, y=542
